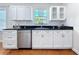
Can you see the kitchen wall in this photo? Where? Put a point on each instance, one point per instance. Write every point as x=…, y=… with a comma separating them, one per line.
x=74, y=20
x=70, y=15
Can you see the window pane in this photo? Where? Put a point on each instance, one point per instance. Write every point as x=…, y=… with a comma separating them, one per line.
x=2, y=19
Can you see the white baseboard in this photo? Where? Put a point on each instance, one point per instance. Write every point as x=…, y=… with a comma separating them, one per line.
x=76, y=51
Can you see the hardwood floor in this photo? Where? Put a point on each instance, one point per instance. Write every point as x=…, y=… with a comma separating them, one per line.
x=36, y=52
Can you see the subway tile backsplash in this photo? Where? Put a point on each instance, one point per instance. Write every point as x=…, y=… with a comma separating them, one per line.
x=31, y=23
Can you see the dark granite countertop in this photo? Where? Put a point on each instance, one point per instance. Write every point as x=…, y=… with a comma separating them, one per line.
x=42, y=28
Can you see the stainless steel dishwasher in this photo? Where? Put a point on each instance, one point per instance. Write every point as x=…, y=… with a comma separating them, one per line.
x=24, y=38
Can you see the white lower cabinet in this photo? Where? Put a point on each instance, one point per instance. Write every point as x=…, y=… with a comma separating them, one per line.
x=62, y=39
x=42, y=39
x=52, y=39
x=10, y=39
x=58, y=42
x=67, y=38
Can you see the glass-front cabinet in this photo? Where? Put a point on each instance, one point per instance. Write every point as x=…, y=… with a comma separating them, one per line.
x=54, y=13
x=57, y=13
x=61, y=12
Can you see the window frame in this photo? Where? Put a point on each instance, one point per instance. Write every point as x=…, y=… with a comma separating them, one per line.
x=5, y=9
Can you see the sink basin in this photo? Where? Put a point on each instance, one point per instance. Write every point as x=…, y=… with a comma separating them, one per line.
x=47, y=27
x=41, y=28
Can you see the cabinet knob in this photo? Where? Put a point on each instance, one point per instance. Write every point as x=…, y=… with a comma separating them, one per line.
x=42, y=35
x=62, y=35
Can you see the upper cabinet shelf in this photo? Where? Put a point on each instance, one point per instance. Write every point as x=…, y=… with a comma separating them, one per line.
x=17, y=12
x=57, y=13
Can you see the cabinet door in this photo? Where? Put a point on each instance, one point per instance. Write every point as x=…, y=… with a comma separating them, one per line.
x=10, y=44
x=54, y=13
x=12, y=13
x=57, y=13
x=46, y=39
x=28, y=13
x=61, y=13
x=42, y=40
x=67, y=38
x=10, y=39
x=58, y=42
x=50, y=39
x=36, y=39
x=20, y=12
x=24, y=37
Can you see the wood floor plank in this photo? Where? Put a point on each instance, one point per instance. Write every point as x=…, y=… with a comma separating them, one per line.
x=37, y=52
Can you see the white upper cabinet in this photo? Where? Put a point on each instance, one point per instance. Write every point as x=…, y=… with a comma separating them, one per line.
x=53, y=13
x=57, y=13
x=18, y=12
x=28, y=13
x=62, y=13
x=12, y=13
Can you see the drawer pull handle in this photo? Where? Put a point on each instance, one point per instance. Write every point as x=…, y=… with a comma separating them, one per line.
x=62, y=35
x=9, y=37
x=42, y=35
x=9, y=44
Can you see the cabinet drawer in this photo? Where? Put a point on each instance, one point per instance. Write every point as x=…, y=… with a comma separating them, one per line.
x=10, y=38
x=9, y=44
x=10, y=33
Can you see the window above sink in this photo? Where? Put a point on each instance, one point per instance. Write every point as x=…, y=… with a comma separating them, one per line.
x=40, y=16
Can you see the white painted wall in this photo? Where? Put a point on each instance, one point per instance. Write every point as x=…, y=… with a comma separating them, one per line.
x=70, y=14
x=73, y=20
